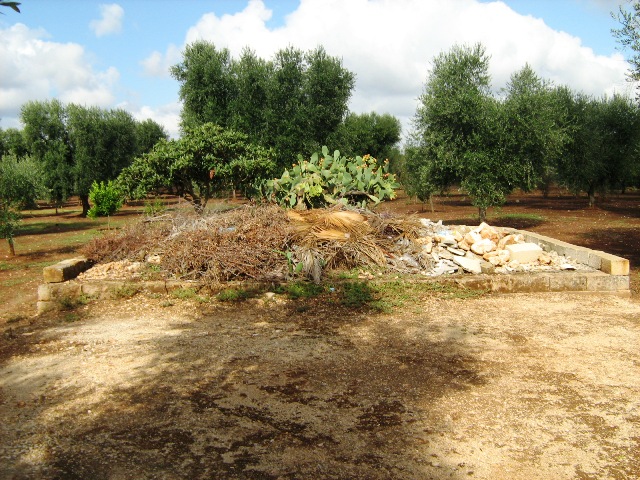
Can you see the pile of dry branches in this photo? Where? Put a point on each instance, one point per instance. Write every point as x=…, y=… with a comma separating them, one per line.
x=256, y=242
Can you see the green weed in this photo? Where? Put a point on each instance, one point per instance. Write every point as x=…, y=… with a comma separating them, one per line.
x=126, y=290
x=237, y=294
x=297, y=290
x=357, y=294
x=71, y=303
x=13, y=282
x=189, y=294
x=5, y=266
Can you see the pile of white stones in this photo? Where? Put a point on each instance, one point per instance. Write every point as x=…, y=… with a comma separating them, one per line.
x=483, y=249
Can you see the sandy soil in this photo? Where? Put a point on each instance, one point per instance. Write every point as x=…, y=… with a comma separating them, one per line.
x=518, y=386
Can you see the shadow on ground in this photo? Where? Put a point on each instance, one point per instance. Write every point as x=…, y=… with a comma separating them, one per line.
x=256, y=393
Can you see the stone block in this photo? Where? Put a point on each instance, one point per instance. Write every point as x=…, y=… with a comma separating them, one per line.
x=529, y=283
x=487, y=267
x=63, y=290
x=44, y=293
x=579, y=254
x=613, y=265
x=524, y=252
x=595, y=260
x=602, y=282
x=44, y=307
x=468, y=264
x=567, y=282
x=65, y=270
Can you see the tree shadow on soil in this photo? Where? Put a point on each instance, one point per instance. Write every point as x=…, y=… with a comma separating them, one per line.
x=623, y=242
x=43, y=228
x=258, y=392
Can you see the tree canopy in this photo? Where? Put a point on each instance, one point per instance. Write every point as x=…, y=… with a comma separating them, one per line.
x=292, y=103
x=205, y=160
x=79, y=145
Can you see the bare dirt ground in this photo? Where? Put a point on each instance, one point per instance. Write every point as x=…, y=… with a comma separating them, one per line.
x=516, y=386
x=498, y=387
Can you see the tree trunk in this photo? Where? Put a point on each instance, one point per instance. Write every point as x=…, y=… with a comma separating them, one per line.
x=482, y=213
x=592, y=196
x=431, y=203
x=12, y=248
x=85, y=205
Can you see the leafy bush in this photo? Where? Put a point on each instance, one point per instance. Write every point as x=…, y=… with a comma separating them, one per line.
x=154, y=207
x=106, y=199
x=330, y=179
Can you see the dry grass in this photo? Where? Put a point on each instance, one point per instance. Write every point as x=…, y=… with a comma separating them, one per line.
x=256, y=242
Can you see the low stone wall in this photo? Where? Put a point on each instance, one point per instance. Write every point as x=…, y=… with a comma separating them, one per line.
x=60, y=289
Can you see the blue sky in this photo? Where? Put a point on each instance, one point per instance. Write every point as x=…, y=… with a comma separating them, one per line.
x=115, y=54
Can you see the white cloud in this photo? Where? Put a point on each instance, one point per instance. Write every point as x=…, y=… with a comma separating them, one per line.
x=157, y=64
x=166, y=115
x=389, y=44
x=110, y=22
x=32, y=68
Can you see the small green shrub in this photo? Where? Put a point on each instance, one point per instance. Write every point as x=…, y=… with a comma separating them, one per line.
x=154, y=207
x=106, y=198
x=71, y=303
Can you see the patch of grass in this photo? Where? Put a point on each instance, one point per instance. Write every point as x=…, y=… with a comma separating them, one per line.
x=189, y=294
x=41, y=264
x=385, y=297
x=13, y=282
x=72, y=317
x=5, y=266
x=357, y=294
x=126, y=290
x=522, y=216
x=71, y=303
x=237, y=294
x=297, y=290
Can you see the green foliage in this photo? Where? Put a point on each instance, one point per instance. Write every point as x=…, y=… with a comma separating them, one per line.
x=125, y=290
x=206, y=159
x=237, y=294
x=602, y=152
x=292, y=103
x=148, y=133
x=154, y=207
x=628, y=35
x=20, y=186
x=453, y=123
x=534, y=136
x=47, y=137
x=77, y=145
x=357, y=294
x=12, y=142
x=297, y=290
x=106, y=198
x=328, y=179
x=368, y=133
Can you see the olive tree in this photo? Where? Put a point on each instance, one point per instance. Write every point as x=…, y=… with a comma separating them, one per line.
x=206, y=160
x=20, y=185
x=458, y=130
x=292, y=102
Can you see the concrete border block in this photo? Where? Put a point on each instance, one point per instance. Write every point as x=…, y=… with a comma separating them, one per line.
x=65, y=270
x=567, y=282
x=602, y=282
x=612, y=264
